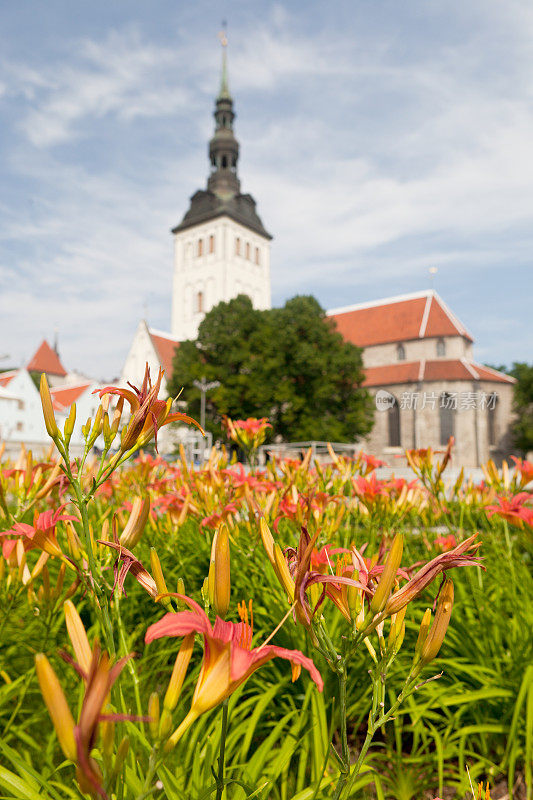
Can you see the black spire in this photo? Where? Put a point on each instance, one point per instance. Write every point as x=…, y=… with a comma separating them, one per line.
x=223, y=194
x=224, y=147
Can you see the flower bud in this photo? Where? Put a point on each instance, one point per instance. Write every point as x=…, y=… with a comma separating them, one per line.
x=57, y=705
x=386, y=581
x=136, y=522
x=282, y=571
x=78, y=636
x=157, y=573
x=438, y=630
x=48, y=409
x=219, y=572
x=122, y=752
x=178, y=673
x=70, y=421
x=422, y=633
x=153, y=713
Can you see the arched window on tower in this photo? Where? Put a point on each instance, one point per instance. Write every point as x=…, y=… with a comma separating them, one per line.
x=393, y=422
x=447, y=407
x=212, y=243
x=257, y=257
x=248, y=250
x=200, y=247
x=224, y=162
x=237, y=246
x=441, y=348
x=400, y=352
x=492, y=405
x=199, y=302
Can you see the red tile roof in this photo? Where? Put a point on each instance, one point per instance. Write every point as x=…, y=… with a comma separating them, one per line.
x=6, y=377
x=435, y=370
x=396, y=319
x=165, y=347
x=46, y=360
x=64, y=396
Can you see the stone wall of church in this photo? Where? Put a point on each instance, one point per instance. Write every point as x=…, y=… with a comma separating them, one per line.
x=481, y=414
x=215, y=262
x=417, y=349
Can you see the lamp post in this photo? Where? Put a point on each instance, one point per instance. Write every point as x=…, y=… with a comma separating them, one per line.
x=204, y=386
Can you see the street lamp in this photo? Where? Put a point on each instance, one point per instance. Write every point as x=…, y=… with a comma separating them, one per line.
x=204, y=387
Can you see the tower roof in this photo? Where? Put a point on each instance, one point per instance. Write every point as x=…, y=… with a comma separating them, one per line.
x=45, y=359
x=223, y=194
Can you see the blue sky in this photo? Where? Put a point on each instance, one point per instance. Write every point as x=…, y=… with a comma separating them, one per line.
x=378, y=138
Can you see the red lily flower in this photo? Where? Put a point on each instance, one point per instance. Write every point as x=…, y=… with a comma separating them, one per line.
x=229, y=658
x=513, y=509
x=525, y=468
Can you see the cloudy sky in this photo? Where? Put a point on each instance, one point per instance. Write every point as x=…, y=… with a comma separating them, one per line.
x=378, y=138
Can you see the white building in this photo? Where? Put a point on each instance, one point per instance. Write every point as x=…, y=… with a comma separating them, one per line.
x=21, y=415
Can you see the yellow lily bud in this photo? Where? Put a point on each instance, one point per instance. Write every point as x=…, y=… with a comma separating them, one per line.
x=153, y=713
x=77, y=636
x=136, y=522
x=57, y=705
x=106, y=429
x=97, y=426
x=282, y=571
x=181, y=590
x=157, y=573
x=219, y=576
x=388, y=575
x=165, y=723
x=205, y=593
x=422, y=633
x=268, y=540
x=107, y=731
x=117, y=414
x=28, y=470
x=69, y=423
x=122, y=752
x=397, y=630
x=48, y=409
x=178, y=673
x=438, y=630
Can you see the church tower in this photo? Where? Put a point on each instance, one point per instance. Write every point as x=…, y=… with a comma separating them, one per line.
x=221, y=248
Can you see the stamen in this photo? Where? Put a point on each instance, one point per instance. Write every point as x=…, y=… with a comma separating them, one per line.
x=276, y=629
x=329, y=562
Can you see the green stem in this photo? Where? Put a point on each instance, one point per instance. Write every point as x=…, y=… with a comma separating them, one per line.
x=131, y=663
x=345, y=753
x=221, y=758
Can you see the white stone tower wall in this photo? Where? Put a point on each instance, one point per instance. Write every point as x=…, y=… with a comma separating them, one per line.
x=221, y=275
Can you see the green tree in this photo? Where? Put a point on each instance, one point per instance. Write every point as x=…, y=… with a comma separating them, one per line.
x=523, y=406
x=288, y=364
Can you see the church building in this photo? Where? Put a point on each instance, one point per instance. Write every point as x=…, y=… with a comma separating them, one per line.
x=221, y=250
x=417, y=355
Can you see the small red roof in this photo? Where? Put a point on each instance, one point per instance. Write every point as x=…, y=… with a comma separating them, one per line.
x=6, y=377
x=46, y=360
x=434, y=370
x=417, y=316
x=165, y=347
x=64, y=396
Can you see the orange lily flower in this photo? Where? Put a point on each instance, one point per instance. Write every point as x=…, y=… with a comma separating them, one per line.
x=229, y=658
x=148, y=412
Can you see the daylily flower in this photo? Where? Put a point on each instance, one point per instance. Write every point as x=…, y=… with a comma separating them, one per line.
x=148, y=412
x=464, y=555
x=127, y=562
x=445, y=542
x=41, y=534
x=525, y=469
x=229, y=658
x=513, y=509
x=78, y=740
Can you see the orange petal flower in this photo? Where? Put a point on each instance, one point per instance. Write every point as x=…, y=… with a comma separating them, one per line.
x=229, y=658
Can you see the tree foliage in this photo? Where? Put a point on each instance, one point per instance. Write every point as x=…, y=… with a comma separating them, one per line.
x=523, y=406
x=288, y=364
